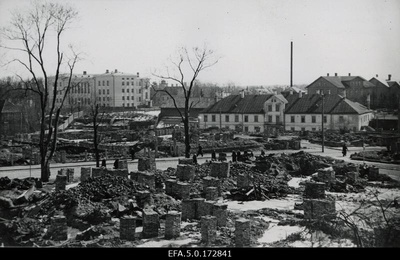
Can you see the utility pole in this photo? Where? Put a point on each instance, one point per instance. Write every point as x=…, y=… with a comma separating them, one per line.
x=220, y=120
x=291, y=64
x=322, y=121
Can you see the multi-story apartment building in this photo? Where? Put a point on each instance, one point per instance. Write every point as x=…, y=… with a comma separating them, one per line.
x=246, y=113
x=113, y=89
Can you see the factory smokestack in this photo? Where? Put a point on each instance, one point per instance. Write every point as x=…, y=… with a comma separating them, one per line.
x=291, y=64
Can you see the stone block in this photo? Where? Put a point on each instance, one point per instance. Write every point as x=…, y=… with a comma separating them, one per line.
x=147, y=164
x=204, y=208
x=211, y=182
x=211, y=193
x=314, y=190
x=352, y=176
x=242, y=232
x=61, y=182
x=182, y=190
x=151, y=223
x=185, y=172
x=220, y=211
x=127, y=228
x=208, y=230
x=148, y=179
x=373, y=173
x=86, y=173
x=319, y=208
x=123, y=164
x=327, y=175
x=172, y=224
x=220, y=169
x=170, y=185
x=144, y=199
x=70, y=175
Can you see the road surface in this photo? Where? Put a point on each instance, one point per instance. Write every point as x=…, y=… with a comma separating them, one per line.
x=393, y=170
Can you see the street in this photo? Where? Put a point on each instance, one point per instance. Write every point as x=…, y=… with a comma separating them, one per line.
x=393, y=170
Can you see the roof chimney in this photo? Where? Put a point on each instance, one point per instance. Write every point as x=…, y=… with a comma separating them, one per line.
x=376, y=75
x=335, y=74
x=116, y=71
x=327, y=74
x=84, y=72
x=107, y=71
x=137, y=74
x=349, y=74
x=389, y=77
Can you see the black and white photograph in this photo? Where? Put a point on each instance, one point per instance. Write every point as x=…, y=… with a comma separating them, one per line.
x=199, y=128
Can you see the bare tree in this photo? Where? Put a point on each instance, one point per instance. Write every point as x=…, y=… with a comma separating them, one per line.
x=196, y=61
x=33, y=31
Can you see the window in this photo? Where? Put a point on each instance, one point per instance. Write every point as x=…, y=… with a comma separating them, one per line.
x=205, y=118
x=123, y=90
x=303, y=129
x=103, y=82
x=99, y=83
x=313, y=129
x=127, y=83
x=246, y=128
x=123, y=98
x=99, y=91
x=292, y=128
x=104, y=98
x=123, y=105
x=127, y=105
x=278, y=119
x=278, y=107
x=108, y=83
x=257, y=129
x=123, y=78
x=255, y=118
x=303, y=119
x=226, y=118
x=270, y=119
x=133, y=104
x=313, y=119
x=291, y=119
x=108, y=92
x=213, y=118
x=269, y=107
x=236, y=118
x=99, y=98
x=325, y=120
x=341, y=119
x=140, y=99
x=123, y=83
x=146, y=95
x=127, y=90
x=104, y=91
x=127, y=98
x=246, y=118
x=140, y=91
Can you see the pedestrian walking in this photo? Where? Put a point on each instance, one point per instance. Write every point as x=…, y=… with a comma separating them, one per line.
x=194, y=159
x=213, y=156
x=103, y=163
x=233, y=156
x=116, y=162
x=132, y=153
x=344, y=149
x=200, y=151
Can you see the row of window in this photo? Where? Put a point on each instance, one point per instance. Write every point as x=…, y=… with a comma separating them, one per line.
x=139, y=91
x=107, y=83
x=303, y=119
x=133, y=98
x=277, y=107
x=245, y=118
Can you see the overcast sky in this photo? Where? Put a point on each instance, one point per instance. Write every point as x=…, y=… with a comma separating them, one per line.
x=251, y=37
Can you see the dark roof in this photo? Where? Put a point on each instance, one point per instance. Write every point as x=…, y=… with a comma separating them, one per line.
x=379, y=82
x=9, y=107
x=333, y=104
x=250, y=104
x=341, y=81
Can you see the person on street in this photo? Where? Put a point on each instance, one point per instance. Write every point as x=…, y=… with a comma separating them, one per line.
x=200, y=151
x=116, y=162
x=344, y=149
x=103, y=163
x=233, y=156
x=132, y=153
x=194, y=159
x=213, y=156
